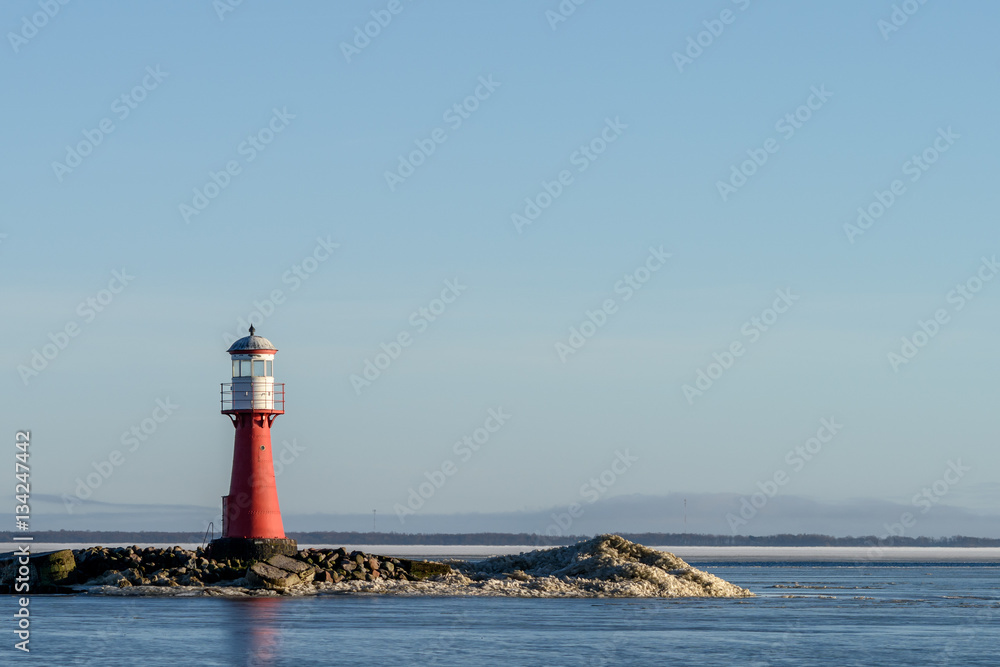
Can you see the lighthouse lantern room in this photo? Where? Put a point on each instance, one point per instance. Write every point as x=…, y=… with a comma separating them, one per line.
x=251, y=518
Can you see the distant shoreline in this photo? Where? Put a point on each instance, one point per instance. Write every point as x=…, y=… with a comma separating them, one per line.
x=699, y=556
x=517, y=539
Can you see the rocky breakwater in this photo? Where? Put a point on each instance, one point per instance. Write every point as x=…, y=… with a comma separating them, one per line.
x=124, y=567
x=173, y=567
x=333, y=566
x=605, y=566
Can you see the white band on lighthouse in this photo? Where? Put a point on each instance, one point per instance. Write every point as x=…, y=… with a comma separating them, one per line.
x=253, y=382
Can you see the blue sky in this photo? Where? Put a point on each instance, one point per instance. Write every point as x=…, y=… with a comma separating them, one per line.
x=321, y=180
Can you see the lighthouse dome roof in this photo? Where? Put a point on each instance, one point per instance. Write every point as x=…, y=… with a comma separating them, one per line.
x=251, y=342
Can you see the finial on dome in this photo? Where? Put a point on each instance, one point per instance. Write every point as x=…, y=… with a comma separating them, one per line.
x=251, y=329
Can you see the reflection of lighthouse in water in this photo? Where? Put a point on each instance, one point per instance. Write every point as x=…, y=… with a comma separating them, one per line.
x=251, y=517
x=257, y=630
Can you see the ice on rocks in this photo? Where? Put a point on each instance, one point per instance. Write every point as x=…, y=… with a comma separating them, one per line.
x=605, y=566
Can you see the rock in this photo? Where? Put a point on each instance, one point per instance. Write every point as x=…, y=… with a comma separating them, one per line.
x=190, y=580
x=55, y=569
x=289, y=564
x=262, y=575
x=110, y=578
x=279, y=573
x=324, y=578
x=133, y=576
x=161, y=579
x=46, y=571
x=421, y=569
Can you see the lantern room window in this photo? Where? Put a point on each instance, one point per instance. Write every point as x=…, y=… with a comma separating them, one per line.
x=255, y=368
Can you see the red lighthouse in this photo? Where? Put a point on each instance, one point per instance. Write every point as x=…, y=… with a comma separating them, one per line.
x=251, y=517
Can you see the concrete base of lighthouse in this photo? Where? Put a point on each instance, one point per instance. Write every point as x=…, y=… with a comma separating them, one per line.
x=250, y=548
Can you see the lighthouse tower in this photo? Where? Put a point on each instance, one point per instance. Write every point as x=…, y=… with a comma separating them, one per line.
x=251, y=517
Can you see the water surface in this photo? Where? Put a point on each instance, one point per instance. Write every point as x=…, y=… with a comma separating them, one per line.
x=805, y=614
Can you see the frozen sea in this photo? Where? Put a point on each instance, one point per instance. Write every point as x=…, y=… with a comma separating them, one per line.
x=813, y=607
